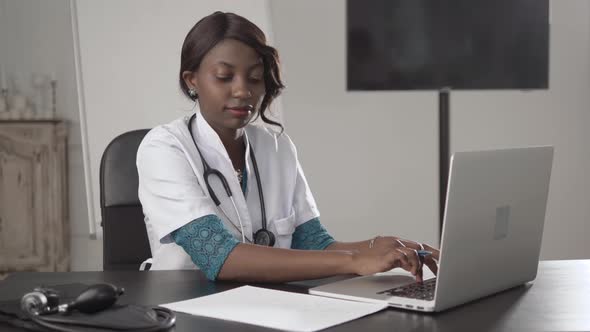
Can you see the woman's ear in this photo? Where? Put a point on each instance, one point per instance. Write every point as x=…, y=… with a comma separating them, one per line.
x=190, y=79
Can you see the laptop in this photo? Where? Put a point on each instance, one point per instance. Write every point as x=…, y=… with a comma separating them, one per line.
x=491, y=238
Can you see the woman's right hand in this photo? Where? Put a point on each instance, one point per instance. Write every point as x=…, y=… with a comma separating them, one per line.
x=377, y=260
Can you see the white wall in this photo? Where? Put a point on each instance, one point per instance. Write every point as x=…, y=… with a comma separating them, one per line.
x=370, y=158
x=36, y=37
x=130, y=56
x=558, y=116
x=385, y=181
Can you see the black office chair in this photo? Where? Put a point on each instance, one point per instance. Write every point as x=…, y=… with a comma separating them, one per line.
x=125, y=241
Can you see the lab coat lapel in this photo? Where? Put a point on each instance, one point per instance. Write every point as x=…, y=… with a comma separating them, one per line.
x=214, y=152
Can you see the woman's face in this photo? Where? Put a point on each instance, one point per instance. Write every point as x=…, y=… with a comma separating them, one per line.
x=229, y=83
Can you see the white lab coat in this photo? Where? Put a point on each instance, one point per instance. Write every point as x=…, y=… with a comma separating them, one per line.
x=173, y=193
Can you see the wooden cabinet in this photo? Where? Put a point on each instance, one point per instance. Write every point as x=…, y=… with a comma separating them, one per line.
x=34, y=227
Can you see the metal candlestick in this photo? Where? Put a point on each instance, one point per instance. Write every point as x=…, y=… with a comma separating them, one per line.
x=53, y=98
x=4, y=92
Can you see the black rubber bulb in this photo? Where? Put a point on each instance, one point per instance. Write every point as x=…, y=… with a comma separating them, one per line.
x=96, y=298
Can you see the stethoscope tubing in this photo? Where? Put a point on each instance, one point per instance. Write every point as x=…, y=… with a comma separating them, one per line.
x=209, y=171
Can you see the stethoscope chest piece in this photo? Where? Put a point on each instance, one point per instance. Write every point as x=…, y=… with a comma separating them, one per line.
x=264, y=237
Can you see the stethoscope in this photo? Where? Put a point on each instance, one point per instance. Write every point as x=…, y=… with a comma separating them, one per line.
x=263, y=236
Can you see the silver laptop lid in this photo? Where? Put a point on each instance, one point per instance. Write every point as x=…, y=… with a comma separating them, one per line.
x=493, y=223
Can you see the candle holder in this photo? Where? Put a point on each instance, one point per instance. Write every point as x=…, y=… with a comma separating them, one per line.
x=4, y=111
x=53, y=98
x=3, y=102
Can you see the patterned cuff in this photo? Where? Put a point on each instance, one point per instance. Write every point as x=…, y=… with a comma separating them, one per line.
x=207, y=242
x=311, y=235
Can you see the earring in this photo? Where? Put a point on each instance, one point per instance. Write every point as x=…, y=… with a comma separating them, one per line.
x=192, y=93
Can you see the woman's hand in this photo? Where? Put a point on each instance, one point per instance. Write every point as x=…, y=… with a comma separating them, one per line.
x=383, y=258
x=392, y=243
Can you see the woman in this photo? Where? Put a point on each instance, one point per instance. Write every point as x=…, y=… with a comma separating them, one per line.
x=265, y=226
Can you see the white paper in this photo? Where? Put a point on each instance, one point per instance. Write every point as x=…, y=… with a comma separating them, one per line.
x=276, y=309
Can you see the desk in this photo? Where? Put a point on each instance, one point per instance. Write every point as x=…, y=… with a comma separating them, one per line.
x=556, y=301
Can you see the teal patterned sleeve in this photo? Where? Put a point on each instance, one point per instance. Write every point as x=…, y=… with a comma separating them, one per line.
x=207, y=242
x=311, y=235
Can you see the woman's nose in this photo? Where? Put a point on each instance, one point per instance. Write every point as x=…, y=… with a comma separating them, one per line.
x=240, y=89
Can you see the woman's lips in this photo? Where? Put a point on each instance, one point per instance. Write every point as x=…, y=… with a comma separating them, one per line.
x=239, y=111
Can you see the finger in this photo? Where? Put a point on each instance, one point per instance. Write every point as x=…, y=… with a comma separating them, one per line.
x=431, y=263
x=394, y=260
x=413, y=259
x=419, y=276
x=404, y=261
x=435, y=252
x=411, y=244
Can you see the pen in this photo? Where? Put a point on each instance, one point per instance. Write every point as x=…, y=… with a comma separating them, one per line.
x=424, y=253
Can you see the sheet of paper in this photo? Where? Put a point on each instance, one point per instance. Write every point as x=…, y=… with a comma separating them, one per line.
x=276, y=309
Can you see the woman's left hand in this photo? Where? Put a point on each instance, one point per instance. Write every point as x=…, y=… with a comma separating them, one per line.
x=394, y=243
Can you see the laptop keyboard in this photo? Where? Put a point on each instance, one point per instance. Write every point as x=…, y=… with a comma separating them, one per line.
x=420, y=291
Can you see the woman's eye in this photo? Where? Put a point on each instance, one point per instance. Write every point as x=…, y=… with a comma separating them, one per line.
x=224, y=78
x=256, y=79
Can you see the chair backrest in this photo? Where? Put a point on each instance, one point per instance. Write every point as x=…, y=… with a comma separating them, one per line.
x=125, y=240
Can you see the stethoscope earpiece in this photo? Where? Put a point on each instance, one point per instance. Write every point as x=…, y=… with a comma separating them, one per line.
x=262, y=236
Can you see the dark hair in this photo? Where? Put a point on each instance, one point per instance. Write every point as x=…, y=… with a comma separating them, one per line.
x=211, y=30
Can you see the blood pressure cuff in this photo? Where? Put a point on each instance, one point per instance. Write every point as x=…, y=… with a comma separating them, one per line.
x=67, y=292
x=117, y=317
